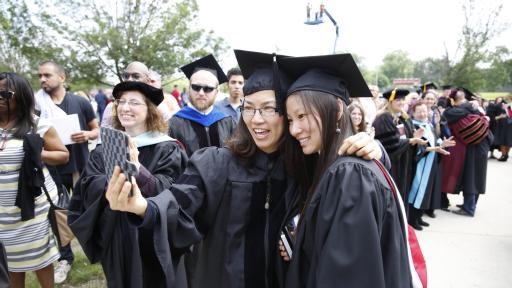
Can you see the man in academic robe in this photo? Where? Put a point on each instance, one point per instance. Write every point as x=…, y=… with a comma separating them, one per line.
x=201, y=124
x=466, y=166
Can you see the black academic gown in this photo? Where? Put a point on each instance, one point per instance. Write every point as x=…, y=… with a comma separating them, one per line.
x=127, y=254
x=474, y=171
x=195, y=136
x=400, y=152
x=227, y=201
x=352, y=233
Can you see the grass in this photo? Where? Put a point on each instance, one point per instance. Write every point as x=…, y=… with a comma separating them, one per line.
x=493, y=95
x=82, y=274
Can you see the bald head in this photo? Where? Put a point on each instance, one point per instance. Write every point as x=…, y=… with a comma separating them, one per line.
x=136, y=71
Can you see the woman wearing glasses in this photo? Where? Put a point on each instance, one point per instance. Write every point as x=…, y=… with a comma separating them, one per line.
x=239, y=196
x=127, y=254
x=24, y=226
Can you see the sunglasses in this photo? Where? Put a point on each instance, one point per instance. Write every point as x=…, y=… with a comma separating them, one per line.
x=6, y=95
x=134, y=76
x=206, y=89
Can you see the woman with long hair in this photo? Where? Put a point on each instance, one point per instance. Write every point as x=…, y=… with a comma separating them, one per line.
x=357, y=117
x=24, y=227
x=351, y=230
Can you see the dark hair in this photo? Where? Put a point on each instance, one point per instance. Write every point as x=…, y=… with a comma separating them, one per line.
x=24, y=98
x=362, y=126
x=325, y=107
x=58, y=67
x=234, y=72
x=154, y=119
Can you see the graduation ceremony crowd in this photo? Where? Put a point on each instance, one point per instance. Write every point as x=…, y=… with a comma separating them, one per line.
x=303, y=176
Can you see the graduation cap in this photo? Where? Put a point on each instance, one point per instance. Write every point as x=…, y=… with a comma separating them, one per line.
x=207, y=63
x=155, y=95
x=427, y=86
x=468, y=94
x=395, y=93
x=447, y=87
x=335, y=74
x=261, y=71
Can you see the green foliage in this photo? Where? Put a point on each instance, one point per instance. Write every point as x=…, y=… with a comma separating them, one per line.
x=397, y=64
x=474, y=42
x=24, y=43
x=81, y=272
x=95, y=40
x=431, y=69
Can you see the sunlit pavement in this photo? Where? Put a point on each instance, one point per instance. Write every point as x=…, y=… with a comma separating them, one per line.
x=473, y=252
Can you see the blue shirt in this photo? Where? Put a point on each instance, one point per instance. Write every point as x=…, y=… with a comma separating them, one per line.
x=225, y=107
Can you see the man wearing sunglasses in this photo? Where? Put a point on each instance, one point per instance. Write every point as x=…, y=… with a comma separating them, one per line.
x=201, y=124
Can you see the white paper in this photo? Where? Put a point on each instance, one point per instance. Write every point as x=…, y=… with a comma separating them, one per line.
x=66, y=126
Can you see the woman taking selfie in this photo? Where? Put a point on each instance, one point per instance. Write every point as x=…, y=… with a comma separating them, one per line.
x=127, y=254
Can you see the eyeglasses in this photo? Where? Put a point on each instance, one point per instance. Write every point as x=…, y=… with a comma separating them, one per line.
x=6, y=95
x=206, y=89
x=264, y=112
x=135, y=76
x=132, y=104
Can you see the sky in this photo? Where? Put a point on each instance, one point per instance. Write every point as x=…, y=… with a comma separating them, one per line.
x=370, y=29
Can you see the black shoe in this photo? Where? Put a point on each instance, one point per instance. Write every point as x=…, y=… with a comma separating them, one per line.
x=430, y=213
x=463, y=212
x=423, y=223
x=445, y=209
x=503, y=158
x=460, y=206
x=416, y=226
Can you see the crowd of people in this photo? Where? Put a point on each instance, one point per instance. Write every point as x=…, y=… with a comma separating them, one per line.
x=280, y=184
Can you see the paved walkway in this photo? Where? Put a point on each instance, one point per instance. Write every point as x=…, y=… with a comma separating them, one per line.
x=473, y=252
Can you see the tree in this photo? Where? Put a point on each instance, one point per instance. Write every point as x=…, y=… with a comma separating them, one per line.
x=431, y=69
x=95, y=40
x=397, y=64
x=499, y=73
x=476, y=35
x=23, y=43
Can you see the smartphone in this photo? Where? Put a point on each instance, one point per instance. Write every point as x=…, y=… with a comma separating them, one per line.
x=287, y=241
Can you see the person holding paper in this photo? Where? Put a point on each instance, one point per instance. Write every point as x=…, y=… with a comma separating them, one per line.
x=52, y=101
x=128, y=254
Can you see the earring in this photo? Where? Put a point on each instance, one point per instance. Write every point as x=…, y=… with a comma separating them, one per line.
x=338, y=130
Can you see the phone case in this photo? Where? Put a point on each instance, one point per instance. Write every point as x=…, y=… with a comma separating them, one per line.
x=115, y=152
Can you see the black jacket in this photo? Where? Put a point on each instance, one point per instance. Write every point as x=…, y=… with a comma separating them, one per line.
x=31, y=178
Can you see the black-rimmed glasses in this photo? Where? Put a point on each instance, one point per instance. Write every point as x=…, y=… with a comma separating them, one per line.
x=264, y=112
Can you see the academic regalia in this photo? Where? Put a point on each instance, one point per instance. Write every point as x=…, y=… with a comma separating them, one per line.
x=425, y=191
x=228, y=203
x=501, y=128
x=196, y=131
x=127, y=254
x=400, y=152
x=465, y=169
x=352, y=198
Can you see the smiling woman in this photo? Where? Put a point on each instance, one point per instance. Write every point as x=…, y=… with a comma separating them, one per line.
x=127, y=254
